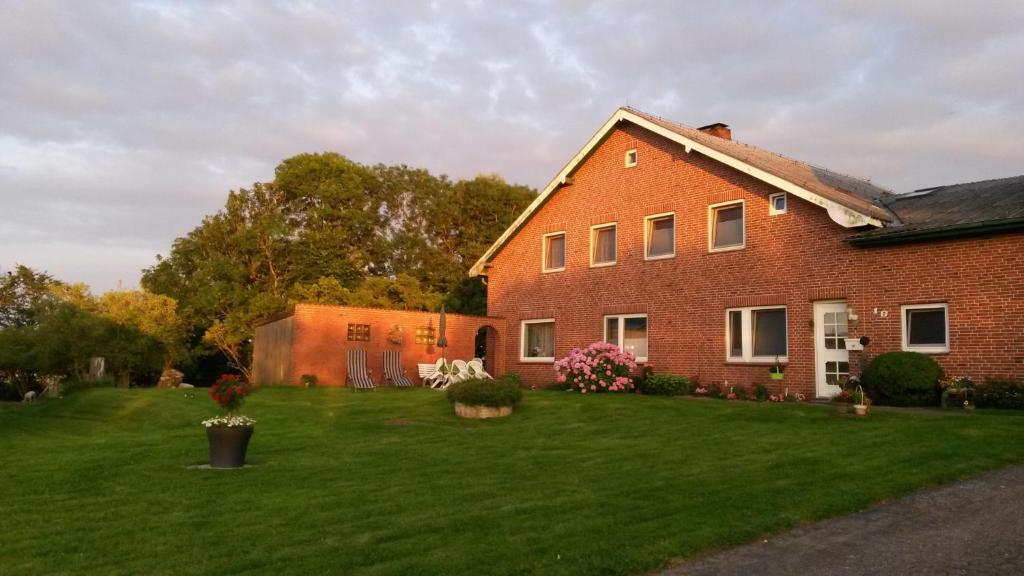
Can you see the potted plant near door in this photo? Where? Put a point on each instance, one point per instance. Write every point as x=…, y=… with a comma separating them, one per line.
x=230, y=432
x=861, y=403
x=775, y=372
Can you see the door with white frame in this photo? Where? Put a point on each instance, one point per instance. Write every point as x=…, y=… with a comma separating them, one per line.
x=832, y=359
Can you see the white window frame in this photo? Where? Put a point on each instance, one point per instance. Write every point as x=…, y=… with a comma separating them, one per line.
x=622, y=333
x=544, y=251
x=626, y=160
x=904, y=329
x=772, y=211
x=522, y=342
x=711, y=225
x=747, y=336
x=647, y=236
x=593, y=246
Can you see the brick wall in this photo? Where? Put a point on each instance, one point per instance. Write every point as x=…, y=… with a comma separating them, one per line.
x=792, y=259
x=320, y=340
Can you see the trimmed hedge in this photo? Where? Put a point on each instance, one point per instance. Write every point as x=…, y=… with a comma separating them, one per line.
x=504, y=391
x=903, y=379
x=1007, y=394
x=665, y=385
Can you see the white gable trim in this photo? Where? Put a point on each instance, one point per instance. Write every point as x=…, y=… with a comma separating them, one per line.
x=842, y=215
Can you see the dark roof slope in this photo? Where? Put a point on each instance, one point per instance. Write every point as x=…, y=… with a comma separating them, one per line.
x=855, y=193
x=955, y=210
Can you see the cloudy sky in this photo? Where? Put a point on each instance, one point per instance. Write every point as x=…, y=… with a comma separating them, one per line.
x=122, y=124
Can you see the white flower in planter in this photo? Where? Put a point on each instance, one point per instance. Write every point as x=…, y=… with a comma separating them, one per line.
x=229, y=422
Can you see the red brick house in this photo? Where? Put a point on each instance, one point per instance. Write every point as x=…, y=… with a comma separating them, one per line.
x=714, y=259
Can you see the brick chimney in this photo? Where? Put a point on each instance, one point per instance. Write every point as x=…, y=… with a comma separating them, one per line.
x=717, y=129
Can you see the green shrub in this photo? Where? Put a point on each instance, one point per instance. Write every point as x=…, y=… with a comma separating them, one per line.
x=504, y=391
x=903, y=379
x=513, y=378
x=640, y=379
x=9, y=393
x=715, y=391
x=740, y=392
x=1001, y=394
x=308, y=380
x=761, y=392
x=665, y=385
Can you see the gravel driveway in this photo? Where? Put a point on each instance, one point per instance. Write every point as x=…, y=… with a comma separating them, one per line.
x=971, y=527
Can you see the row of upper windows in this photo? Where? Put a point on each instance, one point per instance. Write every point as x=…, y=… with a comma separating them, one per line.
x=726, y=231
x=753, y=334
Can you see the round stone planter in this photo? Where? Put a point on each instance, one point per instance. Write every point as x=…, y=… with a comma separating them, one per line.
x=228, y=445
x=479, y=412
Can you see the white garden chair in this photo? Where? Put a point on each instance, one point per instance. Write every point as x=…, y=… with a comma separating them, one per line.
x=441, y=373
x=460, y=370
x=427, y=373
x=476, y=369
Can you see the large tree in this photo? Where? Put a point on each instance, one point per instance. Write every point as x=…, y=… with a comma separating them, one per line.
x=330, y=230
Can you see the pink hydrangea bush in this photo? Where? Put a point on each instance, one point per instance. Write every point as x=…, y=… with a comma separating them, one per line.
x=600, y=367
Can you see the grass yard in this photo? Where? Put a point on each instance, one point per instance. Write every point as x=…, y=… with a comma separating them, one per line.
x=391, y=482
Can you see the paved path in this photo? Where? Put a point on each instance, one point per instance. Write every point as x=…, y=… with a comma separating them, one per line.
x=971, y=527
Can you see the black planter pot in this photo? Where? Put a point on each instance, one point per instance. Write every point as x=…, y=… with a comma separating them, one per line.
x=228, y=445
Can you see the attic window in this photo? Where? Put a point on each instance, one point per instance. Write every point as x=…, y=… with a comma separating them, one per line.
x=777, y=204
x=630, y=158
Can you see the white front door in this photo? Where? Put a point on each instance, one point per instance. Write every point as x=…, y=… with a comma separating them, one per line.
x=831, y=357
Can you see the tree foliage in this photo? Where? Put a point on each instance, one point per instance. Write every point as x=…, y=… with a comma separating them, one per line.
x=329, y=230
x=59, y=327
x=22, y=292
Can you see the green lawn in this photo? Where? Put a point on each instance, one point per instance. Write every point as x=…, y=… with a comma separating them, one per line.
x=391, y=482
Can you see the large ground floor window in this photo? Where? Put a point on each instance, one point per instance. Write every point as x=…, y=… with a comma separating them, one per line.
x=756, y=334
x=538, y=340
x=629, y=332
x=926, y=328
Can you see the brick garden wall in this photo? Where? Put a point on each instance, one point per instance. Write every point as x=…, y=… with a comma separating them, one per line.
x=791, y=259
x=320, y=340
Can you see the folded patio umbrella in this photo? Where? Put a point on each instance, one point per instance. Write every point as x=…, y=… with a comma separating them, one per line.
x=442, y=341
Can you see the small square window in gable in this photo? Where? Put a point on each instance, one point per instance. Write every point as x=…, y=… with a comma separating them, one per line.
x=777, y=204
x=631, y=158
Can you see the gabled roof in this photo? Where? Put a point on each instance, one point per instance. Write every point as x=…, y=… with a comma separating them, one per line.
x=851, y=202
x=954, y=210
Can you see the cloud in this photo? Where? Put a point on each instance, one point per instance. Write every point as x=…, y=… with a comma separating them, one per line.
x=122, y=125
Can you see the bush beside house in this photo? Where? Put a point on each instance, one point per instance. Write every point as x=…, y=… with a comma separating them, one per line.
x=903, y=379
x=1007, y=394
x=600, y=367
x=665, y=385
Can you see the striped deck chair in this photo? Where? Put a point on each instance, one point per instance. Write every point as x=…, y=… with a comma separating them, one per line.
x=393, y=369
x=358, y=373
